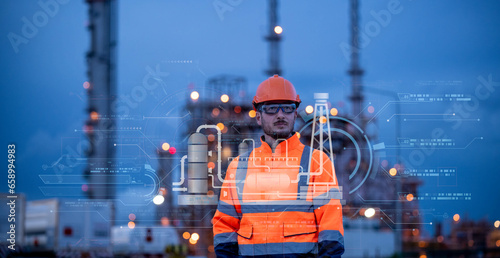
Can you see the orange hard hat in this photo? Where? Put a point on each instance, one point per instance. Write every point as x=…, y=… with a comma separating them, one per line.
x=276, y=88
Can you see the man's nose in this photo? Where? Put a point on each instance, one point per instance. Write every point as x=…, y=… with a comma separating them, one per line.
x=280, y=113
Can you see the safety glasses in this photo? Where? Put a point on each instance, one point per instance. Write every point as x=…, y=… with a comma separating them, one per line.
x=275, y=108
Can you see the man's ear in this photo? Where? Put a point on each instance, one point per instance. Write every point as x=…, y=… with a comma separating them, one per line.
x=258, y=118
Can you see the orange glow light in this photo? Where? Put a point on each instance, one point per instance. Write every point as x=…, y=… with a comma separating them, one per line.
x=237, y=109
x=94, y=115
x=322, y=119
x=165, y=221
x=215, y=112
x=456, y=217
x=131, y=225
x=252, y=113
x=409, y=197
x=221, y=126
x=334, y=112
x=165, y=146
x=211, y=137
x=186, y=235
x=211, y=165
x=393, y=171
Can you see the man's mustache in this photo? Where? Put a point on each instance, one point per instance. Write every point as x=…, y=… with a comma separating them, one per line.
x=281, y=121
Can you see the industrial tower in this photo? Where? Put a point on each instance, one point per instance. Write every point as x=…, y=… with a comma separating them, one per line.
x=355, y=71
x=274, y=38
x=101, y=90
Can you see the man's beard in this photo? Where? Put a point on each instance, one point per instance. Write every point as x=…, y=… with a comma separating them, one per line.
x=279, y=134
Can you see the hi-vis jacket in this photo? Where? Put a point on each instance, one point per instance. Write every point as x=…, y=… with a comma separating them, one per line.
x=272, y=205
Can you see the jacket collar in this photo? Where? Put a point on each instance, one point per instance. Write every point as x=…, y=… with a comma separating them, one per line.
x=293, y=142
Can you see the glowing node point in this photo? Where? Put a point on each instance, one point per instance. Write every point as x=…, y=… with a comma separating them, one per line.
x=165, y=146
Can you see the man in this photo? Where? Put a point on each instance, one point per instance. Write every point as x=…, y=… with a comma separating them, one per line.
x=278, y=200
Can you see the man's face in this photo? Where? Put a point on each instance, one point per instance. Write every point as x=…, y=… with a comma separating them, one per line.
x=279, y=125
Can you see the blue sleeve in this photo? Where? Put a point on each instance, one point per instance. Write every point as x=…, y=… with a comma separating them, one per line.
x=228, y=250
x=330, y=249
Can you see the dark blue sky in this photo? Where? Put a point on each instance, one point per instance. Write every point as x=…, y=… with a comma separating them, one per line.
x=421, y=49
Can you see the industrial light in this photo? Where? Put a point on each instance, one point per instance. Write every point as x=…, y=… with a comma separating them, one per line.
x=195, y=95
x=278, y=30
x=369, y=212
x=309, y=109
x=159, y=199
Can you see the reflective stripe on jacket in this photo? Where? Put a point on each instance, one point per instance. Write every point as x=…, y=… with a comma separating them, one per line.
x=270, y=204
